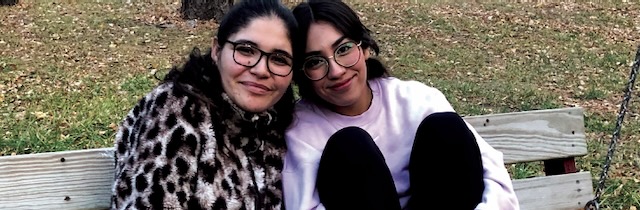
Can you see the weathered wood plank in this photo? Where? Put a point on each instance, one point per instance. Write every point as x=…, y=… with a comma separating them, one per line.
x=558, y=192
x=40, y=181
x=70, y=180
x=83, y=180
x=534, y=135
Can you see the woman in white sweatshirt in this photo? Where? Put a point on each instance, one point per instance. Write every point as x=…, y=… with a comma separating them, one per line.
x=364, y=140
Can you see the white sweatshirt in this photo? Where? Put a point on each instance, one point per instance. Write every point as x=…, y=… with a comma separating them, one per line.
x=397, y=109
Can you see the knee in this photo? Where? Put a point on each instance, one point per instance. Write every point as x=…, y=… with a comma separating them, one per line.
x=350, y=140
x=349, y=137
x=443, y=120
x=443, y=124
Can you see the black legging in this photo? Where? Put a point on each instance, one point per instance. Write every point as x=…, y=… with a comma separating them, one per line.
x=445, y=165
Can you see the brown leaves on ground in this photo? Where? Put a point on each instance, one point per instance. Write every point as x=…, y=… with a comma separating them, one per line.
x=551, y=35
x=580, y=53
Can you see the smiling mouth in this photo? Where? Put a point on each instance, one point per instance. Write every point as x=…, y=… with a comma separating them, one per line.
x=341, y=85
x=256, y=87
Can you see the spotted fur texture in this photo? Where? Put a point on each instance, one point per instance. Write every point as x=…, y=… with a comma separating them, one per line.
x=174, y=152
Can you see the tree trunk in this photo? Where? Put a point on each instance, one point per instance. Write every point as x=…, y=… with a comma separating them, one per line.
x=204, y=9
x=8, y=2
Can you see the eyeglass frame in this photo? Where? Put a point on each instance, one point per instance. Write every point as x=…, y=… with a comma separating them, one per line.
x=334, y=59
x=262, y=53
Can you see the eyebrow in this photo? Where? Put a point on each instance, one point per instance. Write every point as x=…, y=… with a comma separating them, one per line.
x=276, y=50
x=334, y=45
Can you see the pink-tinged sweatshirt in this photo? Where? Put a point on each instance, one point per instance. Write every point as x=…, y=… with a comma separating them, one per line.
x=397, y=109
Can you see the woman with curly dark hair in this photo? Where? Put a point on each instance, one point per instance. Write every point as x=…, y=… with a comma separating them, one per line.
x=210, y=136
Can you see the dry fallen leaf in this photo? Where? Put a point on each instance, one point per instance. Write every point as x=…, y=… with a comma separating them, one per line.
x=39, y=115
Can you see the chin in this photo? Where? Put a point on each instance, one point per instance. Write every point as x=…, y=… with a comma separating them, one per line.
x=251, y=106
x=254, y=109
x=344, y=101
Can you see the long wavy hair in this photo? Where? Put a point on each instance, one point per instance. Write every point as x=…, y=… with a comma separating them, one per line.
x=201, y=72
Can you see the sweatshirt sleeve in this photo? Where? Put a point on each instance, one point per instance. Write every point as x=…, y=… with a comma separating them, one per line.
x=498, y=191
x=299, y=188
x=299, y=175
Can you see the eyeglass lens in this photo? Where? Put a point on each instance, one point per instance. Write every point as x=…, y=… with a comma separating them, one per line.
x=345, y=55
x=248, y=55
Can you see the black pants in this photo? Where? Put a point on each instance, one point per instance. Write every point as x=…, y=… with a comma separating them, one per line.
x=445, y=165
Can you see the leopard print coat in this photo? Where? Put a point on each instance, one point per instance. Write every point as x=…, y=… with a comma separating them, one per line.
x=172, y=152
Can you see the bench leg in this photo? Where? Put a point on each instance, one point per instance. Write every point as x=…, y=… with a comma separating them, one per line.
x=560, y=166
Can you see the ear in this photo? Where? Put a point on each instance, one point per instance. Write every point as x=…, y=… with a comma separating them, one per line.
x=367, y=53
x=215, y=49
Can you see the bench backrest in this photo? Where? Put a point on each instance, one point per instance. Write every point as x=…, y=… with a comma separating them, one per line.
x=81, y=179
x=553, y=136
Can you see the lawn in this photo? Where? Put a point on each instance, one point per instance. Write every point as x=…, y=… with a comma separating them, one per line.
x=70, y=70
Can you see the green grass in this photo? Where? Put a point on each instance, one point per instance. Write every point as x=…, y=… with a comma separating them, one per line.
x=69, y=72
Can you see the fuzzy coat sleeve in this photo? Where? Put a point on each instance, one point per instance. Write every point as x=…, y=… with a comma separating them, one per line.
x=157, y=149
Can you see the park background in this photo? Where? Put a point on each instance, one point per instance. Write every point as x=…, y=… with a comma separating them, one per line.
x=71, y=69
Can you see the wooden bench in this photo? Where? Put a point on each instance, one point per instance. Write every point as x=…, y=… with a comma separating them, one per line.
x=555, y=137
x=75, y=180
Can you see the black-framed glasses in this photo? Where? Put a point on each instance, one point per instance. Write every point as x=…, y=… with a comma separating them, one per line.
x=248, y=55
x=347, y=54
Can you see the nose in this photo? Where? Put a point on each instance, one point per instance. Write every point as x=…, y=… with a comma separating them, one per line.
x=261, y=69
x=335, y=69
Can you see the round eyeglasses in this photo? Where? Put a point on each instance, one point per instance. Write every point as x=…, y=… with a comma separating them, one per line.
x=347, y=54
x=278, y=62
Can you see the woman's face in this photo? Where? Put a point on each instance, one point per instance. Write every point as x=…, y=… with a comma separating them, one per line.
x=343, y=87
x=251, y=85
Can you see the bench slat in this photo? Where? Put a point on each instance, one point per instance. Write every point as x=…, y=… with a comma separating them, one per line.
x=557, y=192
x=43, y=181
x=534, y=135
